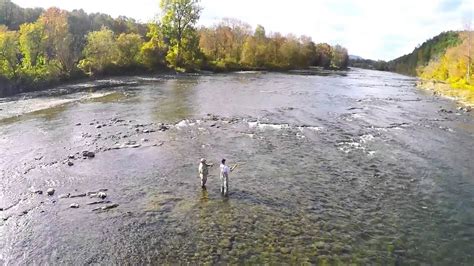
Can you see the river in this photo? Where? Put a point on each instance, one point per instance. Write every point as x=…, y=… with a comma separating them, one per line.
x=333, y=167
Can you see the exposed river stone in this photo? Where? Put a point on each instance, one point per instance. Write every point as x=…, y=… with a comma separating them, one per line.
x=64, y=196
x=36, y=191
x=101, y=195
x=88, y=154
x=106, y=207
x=74, y=206
x=50, y=191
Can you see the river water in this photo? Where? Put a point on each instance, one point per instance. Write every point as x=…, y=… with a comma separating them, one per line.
x=338, y=167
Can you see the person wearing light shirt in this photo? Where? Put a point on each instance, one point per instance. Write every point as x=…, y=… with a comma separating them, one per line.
x=224, y=175
x=204, y=172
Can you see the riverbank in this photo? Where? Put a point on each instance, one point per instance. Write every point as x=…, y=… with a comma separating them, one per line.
x=461, y=94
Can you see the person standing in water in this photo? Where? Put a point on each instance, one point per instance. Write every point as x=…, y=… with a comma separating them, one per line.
x=224, y=175
x=204, y=172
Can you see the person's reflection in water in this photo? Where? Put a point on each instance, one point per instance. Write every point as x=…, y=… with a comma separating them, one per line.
x=204, y=196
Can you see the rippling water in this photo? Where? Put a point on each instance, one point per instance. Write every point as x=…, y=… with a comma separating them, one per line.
x=352, y=167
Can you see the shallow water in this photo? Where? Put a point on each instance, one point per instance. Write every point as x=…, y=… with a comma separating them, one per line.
x=355, y=167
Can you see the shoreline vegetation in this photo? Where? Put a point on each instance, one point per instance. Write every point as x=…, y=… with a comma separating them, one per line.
x=462, y=95
x=443, y=64
x=41, y=49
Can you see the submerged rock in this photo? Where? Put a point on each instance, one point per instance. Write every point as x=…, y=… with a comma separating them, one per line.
x=225, y=243
x=78, y=195
x=98, y=202
x=69, y=163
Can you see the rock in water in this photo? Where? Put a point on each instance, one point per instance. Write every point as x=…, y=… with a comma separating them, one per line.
x=106, y=207
x=74, y=206
x=64, y=196
x=36, y=191
x=69, y=163
x=50, y=191
x=88, y=154
x=101, y=195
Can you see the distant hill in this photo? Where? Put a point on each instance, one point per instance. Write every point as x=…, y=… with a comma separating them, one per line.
x=360, y=62
x=409, y=64
x=355, y=57
x=431, y=49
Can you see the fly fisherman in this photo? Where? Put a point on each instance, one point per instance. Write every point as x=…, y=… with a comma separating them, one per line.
x=225, y=171
x=204, y=172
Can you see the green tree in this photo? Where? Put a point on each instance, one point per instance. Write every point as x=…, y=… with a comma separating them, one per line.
x=9, y=50
x=339, y=58
x=101, y=51
x=153, y=51
x=178, y=24
x=33, y=44
x=323, y=55
x=248, y=52
x=129, y=45
x=291, y=52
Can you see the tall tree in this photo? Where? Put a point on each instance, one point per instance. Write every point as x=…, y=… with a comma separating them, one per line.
x=59, y=40
x=128, y=45
x=9, y=49
x=154, y=50
x=33, y=44
x=340, y=58
x=178, y=24
x=100, y=52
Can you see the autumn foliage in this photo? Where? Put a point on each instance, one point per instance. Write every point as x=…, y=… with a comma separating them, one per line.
x=39, y=47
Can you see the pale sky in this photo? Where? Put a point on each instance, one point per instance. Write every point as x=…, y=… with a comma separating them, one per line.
x=374, y=29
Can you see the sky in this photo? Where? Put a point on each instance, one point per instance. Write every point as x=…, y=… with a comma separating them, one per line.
x=374, y=29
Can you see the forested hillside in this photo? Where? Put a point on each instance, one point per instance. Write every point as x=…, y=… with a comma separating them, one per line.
x=445, y=61
x=432, y=49
x=39, y=48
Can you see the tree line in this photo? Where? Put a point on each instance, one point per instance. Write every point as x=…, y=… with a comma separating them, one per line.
x=44, y=47
x=454, y=65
